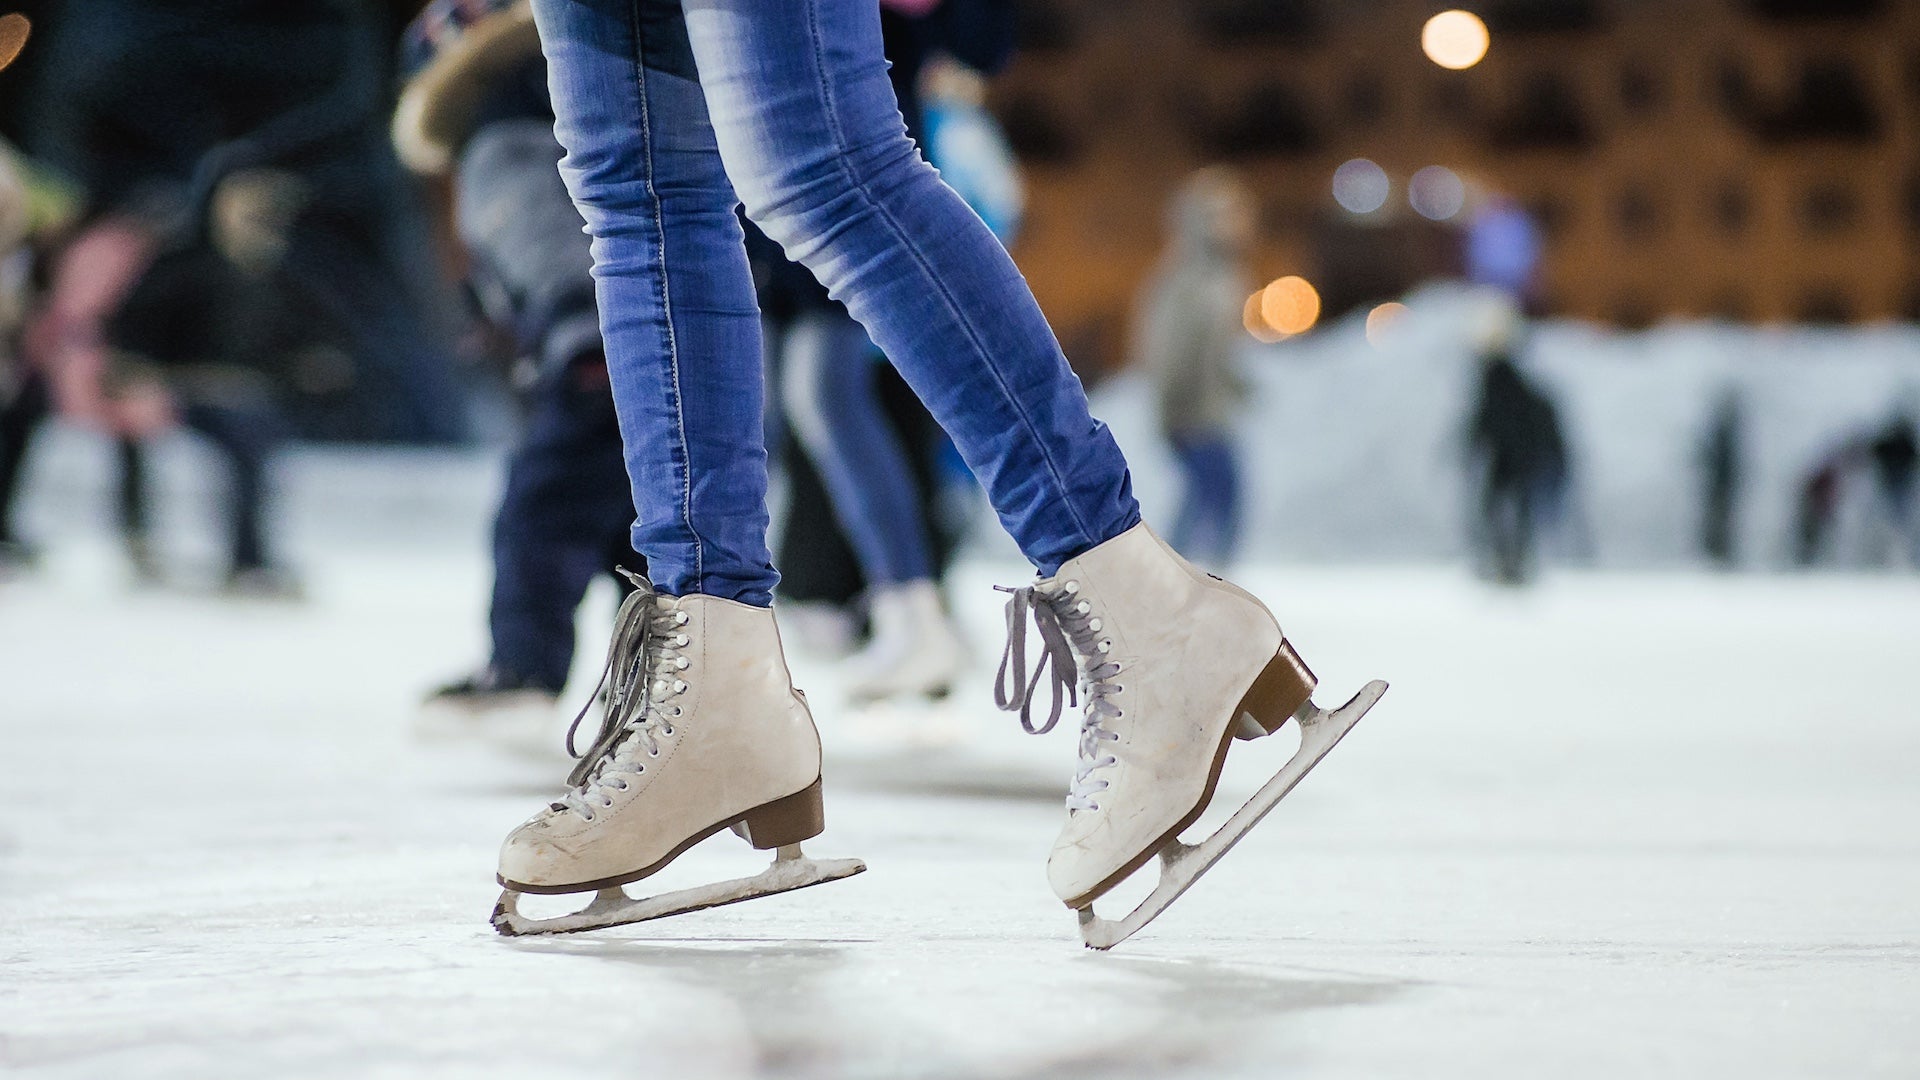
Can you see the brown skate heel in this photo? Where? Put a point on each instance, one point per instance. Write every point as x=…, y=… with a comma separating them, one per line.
x=1276, y=695
x=800, y=816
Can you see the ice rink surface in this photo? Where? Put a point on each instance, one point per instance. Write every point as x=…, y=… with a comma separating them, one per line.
x=1622, y=824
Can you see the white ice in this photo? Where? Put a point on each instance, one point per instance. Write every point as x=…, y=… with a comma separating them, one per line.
x=1640, y=824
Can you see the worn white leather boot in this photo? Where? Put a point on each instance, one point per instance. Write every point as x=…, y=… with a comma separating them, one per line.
x=1172, y=664
x=914, y=650
x=704, y=731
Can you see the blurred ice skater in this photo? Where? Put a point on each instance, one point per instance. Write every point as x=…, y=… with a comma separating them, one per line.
x=1517, y=452
x=1890, y=455
x=1722, y=469
x=156, y=318
x=136, y=97
x=32, y=209
x=475, y=106
x=1896, y=467
x=1187, y=337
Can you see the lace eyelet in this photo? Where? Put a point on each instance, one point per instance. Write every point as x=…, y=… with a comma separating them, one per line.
x=1070, y=588
x=586, y=817
x=683, y=663
x=681, y=640
x=655, y=752
x=679, y=618
x=679, y=687
x=606, y=800
x=678, y=711
x=668, y=730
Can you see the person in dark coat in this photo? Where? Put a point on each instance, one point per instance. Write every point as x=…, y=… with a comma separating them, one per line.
x=1721, y=467
x=1896, y=466
x=1520, y=450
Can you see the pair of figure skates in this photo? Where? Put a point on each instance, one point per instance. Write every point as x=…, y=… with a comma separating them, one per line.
x=704, y=731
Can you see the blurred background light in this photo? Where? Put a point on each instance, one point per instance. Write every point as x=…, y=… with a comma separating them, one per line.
x=1437, y=193
x=1381, y=320
x=1361, y=186
x=1290, y=305
x=1256, y=321
x=1455, y=39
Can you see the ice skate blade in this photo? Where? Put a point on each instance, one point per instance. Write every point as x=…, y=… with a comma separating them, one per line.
x=1182, y=864
x=791, y=869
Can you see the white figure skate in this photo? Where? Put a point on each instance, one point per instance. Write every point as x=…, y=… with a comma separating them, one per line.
x=703, y=732
x=1174, y=664
x=914, y=651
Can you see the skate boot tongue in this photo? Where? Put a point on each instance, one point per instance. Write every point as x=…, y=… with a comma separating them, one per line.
x=1068, y=626
x=641, y=676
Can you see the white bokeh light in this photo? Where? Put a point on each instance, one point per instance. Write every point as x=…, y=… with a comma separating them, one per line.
x=1455, y=39
x=1361, y=186
x=1437, y=193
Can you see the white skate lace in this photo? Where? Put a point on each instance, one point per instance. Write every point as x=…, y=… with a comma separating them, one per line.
x=643, y=673
x=1067, y=625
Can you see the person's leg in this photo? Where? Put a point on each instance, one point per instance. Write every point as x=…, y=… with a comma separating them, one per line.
x=1232, y=502
x=829, y=390
x=702, y=726
x=18, y=421
x=1185, y=533
x=806, y=120
x=131, y=500
x=565, y=485
x=1213, y=494
x=833, y=401
x=677, y=309
x=246, y=440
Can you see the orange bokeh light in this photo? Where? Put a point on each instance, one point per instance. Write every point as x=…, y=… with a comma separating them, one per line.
x=1381, y=319
x=1256, y=322
x=1290, y=305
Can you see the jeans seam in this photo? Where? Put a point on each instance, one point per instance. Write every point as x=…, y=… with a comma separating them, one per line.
x=666, y=301
x=938, y=287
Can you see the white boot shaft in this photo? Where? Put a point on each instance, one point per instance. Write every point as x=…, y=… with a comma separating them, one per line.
x=1166, y=656
x=914, y=649
x=710, y=731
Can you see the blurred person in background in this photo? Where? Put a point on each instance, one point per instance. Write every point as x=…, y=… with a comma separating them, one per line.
x=1518, y=453
x=146, y=328
x=1188, y=338
x=475, y=107
x=31, y=210
x=137, y=97
x=1722, y=463
x=1896, y=461
x=875, y=452
x=1817, y=503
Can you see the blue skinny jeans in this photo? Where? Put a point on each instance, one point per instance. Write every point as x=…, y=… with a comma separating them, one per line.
x=671, y=114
